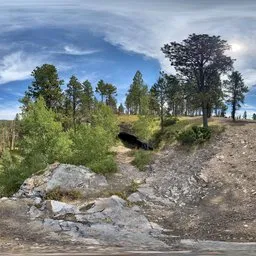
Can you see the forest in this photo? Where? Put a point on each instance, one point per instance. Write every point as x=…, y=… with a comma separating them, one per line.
x=79, y=125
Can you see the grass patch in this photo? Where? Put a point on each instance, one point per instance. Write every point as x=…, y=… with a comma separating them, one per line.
x=169, y=134
x=63, y=195
x=129, y=119
x=132, y=188
x=104, y=166
x=141, y=158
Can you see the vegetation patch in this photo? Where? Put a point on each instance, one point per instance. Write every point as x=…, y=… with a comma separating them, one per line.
x=63, y=195
x=194, y=135
x=142, y=158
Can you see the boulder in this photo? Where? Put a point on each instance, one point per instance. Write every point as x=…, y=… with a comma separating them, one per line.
x=65, y=177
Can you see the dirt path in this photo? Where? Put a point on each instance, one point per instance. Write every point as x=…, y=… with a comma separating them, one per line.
x=127, y=173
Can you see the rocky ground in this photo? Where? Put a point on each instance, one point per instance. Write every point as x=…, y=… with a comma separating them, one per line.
x=208, y=192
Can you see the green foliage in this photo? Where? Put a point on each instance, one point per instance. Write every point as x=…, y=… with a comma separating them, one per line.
x=87, y=100
x=121, y=109
x=142, y=158
x=104, y=117
x=194, y=135
x=11, y=177
x=137, y=100
x=46, y=84
x=236, y=90
x=43, y=142
x=213, y=61
x=73, y=96
x=170, y=121
x=91, y=147
x=43, y=139
x=105, y=165
x=63, y=195
x=145, y=127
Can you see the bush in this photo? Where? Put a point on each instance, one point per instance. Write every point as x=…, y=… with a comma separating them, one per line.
x=91, y=146
x=142, y=158
x=104, y=117
x=44, y=140
x=104, y=166
x=170, y=121
x=194, y=135
x=145, y=127
x=11, y=175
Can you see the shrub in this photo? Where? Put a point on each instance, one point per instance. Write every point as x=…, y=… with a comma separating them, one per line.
x=11, y=175
x=142, y=158
x=91, y=146
x=104, y=166
x=194, y=135
x=104, y=117
x=170, y=121
x=145, y=127
x=43, y=139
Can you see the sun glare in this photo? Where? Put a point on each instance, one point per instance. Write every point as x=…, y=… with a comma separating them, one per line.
x=236, y=47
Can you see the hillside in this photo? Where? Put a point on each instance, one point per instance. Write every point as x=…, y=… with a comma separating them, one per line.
x=205, y=192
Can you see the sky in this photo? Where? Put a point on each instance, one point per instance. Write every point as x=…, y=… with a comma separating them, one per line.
x=112, y=39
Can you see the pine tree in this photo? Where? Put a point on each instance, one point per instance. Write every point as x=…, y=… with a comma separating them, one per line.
x=101, y=89
x=235, y=90
x=197, y=59
x=121, y=109
x=73, y=95
x=137, y=98
x=87, y=100
x=245, y=115
x=46, y=84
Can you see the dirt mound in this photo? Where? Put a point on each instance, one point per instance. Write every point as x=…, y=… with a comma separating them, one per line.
x=213, y=188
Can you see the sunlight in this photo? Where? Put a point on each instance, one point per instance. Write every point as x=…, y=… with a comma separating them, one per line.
x=236, y=47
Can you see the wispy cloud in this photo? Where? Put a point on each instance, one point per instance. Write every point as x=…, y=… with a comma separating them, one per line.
x=17, y=66
x=75, y=51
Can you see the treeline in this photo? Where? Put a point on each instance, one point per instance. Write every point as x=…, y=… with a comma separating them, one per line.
x=73, y=126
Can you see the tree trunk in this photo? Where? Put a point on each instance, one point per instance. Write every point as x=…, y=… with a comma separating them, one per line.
x=205, y=112
x=233, y=113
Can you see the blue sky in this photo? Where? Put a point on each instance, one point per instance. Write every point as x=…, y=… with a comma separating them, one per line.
x=111, y=39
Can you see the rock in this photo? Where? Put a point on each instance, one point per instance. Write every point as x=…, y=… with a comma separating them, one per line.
x=35, y=212
x=136, y=197
x=65, y=177
x=56, y=207
x=51, y=225
x=107, y=204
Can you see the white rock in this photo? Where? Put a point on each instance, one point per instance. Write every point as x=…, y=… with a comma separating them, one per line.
x=57, y=207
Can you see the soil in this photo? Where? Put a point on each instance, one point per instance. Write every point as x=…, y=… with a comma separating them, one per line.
x=219, y=205
x=226, y=205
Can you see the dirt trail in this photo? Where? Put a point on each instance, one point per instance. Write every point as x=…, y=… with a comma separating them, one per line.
x=127, y=173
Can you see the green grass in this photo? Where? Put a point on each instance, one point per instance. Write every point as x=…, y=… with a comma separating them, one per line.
x=168, y=135
x=141, y=158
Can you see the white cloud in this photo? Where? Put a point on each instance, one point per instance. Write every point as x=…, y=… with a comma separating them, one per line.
x=17, y=66
x=9, y=112
x=75, y=51
x=145, y=26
